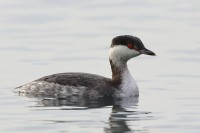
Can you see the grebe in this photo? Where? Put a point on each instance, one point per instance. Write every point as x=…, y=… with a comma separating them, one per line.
x=73, y=85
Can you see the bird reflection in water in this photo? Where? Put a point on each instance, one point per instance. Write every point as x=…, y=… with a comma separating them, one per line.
x=117, y=120
x=123, y=111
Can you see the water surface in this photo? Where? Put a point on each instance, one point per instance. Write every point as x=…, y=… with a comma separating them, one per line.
x=42, y=37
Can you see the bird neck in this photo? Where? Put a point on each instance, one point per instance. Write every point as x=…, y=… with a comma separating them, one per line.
x=122, y=80
x=119, y=68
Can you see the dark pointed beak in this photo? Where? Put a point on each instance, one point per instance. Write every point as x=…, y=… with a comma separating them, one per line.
x=147, y=52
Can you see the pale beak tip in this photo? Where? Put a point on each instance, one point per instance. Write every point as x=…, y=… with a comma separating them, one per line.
x=147, y=52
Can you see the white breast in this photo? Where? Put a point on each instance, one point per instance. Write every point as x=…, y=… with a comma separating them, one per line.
x=129, y=86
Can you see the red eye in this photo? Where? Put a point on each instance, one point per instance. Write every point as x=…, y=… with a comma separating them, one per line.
x=130, y=46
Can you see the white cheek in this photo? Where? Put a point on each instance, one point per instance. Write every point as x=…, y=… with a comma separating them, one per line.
x=122, y=52
x=134, y=53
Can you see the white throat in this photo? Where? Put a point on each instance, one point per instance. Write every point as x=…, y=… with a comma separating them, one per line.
x=128, y=86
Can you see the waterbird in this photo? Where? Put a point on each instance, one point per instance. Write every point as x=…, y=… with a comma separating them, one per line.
x=74, y=84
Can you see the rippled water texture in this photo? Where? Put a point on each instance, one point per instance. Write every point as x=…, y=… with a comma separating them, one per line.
x=42, y=37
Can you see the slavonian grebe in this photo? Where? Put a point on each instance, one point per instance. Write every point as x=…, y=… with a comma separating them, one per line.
x=69, y=85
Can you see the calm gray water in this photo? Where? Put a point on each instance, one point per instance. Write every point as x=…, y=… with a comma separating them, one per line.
x=42, y=37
